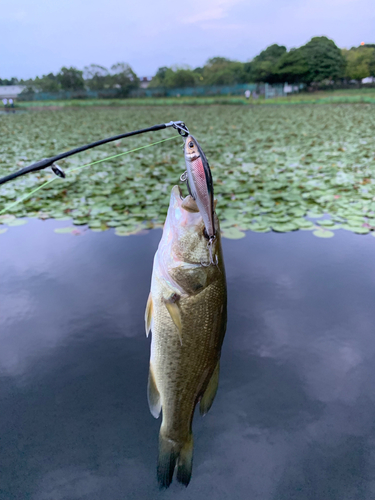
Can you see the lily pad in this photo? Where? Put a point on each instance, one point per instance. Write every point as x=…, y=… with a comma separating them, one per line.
x=320, y=233
x=17, y=222
x=284, y=228
x=64, y=230
x=122, y=231
x=233, y=233
x=3, y=230
x=6, y=219
x=326, y=222
x=303, y=223
x=283, y=163
x=356, y=229
x=258, y=228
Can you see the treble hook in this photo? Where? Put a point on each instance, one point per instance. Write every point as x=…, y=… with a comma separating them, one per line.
x=213, y=261
x=184, y=178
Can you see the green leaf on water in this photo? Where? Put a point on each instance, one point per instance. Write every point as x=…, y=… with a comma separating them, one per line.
x=325, y=222
x=284, y=228
x=303, y=223
x=6, y=219
x=122, y=231
x=320, y=233
x=259, y=228
x=356, y=229
x=281, y=164
x=314, y=215
x=17, y=222
x=233, y=233
x=3, y=230
x=64, y=230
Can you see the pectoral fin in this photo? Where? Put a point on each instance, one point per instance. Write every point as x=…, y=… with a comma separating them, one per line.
x=210, y=393
x=174, y=311
x=148, y=314
x=153, y=395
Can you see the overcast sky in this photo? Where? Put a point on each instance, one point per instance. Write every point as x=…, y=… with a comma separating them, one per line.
x=39, y=37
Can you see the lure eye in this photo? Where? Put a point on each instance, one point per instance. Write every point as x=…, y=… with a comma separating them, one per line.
x=191, y=144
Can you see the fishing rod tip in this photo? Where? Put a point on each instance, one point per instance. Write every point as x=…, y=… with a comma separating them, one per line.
x=58, y=171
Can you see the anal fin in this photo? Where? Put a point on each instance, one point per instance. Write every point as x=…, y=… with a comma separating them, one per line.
x=210, y=392
x=153, y=395
x=148, y=314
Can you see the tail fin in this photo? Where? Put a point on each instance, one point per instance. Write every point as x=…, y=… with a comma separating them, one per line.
x=171, y=454
x=185, y=462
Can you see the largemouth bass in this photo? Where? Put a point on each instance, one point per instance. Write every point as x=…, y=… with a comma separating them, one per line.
x=187, y=314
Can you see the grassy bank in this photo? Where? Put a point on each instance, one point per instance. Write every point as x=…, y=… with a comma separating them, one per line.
x=335, y=96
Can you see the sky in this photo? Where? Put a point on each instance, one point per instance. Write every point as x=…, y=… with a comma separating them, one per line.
x=41, y=37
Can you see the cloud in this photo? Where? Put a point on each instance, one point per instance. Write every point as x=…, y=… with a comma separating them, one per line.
x=211, y=10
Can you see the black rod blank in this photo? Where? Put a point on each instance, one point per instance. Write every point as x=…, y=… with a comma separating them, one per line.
x=48, y=162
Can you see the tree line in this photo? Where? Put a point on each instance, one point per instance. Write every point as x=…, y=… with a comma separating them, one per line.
x=316, y=62
x=320, y=60
x=94, y=77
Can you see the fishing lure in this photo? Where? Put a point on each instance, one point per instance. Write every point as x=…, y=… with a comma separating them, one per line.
x=200, y=185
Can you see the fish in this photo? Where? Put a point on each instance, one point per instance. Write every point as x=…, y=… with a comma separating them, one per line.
x=187, y=314
x=199, y=181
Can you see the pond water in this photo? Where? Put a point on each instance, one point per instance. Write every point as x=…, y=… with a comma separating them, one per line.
x=295, y=411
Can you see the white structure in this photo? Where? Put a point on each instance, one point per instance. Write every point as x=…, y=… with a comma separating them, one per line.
x=10, y=91
x=368, y=79
x=290, y=88
x=145, y=81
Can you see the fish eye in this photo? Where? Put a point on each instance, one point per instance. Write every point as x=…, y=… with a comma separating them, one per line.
x=191, y=144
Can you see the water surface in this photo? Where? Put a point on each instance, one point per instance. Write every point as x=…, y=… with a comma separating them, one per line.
x=295, y=411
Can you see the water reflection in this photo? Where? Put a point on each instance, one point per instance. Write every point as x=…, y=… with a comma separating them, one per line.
x=293, y=417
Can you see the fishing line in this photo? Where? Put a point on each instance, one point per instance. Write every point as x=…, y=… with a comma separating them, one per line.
x=50, y=162
x=73, y=169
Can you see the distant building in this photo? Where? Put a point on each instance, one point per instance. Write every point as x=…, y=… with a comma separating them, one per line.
x=288, y=89
x=368, y=79
x=145, y=82
x=10, y=91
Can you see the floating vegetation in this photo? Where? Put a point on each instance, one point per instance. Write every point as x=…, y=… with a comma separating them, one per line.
x=272, y=167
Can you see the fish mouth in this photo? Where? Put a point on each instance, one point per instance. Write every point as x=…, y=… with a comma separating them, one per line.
x=179, y=211
x=177, y=195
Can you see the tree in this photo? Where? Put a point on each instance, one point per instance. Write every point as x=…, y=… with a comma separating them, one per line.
x=70, y=79
x=264, y=67
x=360, y=62
x=175, y=77
x=159, y=79
x=11, y=81
x=97, y=77
x=180, y=77
x=47, y=83
x=293, y=67
x=324, y=59
x=320, y=59
x=124, y=78
x=223, y=71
